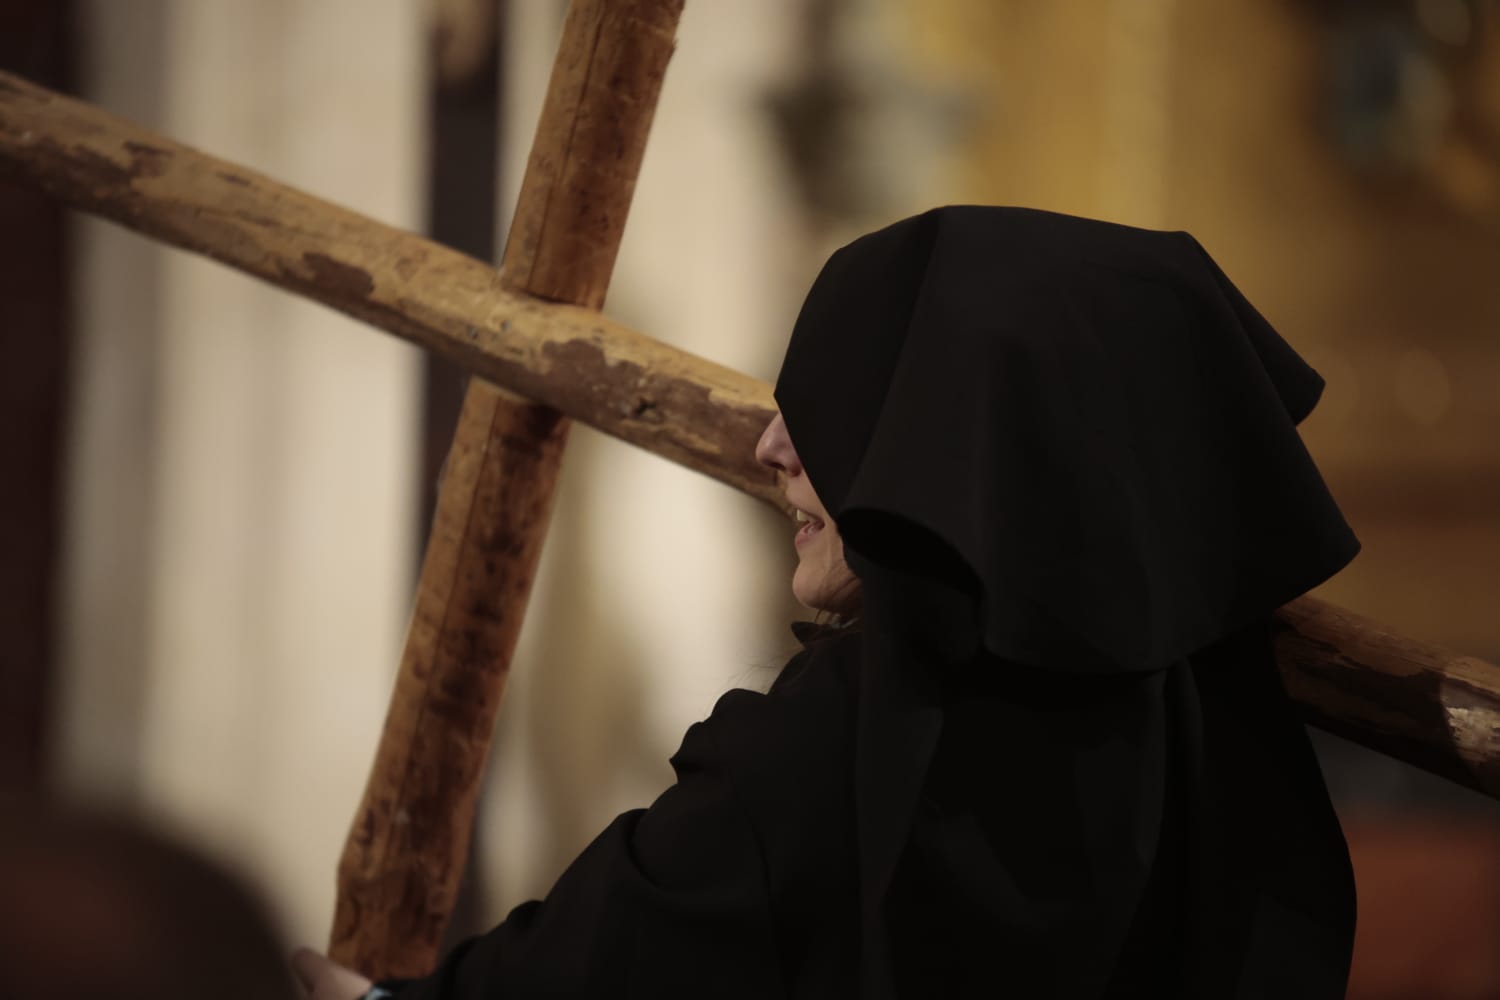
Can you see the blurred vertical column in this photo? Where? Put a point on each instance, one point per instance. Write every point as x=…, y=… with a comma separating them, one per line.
x=462, y=88
x=36, y=42
x=110, y=453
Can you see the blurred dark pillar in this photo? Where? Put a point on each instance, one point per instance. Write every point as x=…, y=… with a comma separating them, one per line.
x=463, y=170
x=36, y=42
x=463, y=181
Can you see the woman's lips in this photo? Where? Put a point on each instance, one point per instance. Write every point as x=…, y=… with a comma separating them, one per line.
x=810, y=527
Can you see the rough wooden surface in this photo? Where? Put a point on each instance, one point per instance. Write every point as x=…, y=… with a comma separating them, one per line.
x=699, y=414
x=1413, y=700
x=1350, y=675
x=400, y=872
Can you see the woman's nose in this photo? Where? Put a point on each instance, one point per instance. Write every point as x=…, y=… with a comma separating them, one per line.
x=774, y=449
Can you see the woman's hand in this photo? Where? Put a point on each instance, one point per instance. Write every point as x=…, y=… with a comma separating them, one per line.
x=325, y=979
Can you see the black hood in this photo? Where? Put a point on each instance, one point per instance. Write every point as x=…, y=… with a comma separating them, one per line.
x=1084, y=426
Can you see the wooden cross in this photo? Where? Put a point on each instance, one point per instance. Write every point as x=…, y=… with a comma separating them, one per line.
x=533, y=329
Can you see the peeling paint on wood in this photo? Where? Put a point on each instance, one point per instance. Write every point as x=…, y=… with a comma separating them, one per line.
x=438, y=299
x=147, y=160
x=340, y=278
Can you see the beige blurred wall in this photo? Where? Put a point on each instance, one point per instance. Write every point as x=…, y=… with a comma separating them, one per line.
x=242, y=464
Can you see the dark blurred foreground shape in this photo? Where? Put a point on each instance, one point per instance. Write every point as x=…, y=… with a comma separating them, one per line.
x=94, y=908
x=35, y=41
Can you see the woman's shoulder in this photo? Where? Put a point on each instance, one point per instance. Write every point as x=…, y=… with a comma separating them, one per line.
x=804, y=723
x=788, y=757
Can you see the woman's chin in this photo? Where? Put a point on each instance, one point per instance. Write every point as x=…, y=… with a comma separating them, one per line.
x=808, y=590
x=836, y=596
x=803, y=597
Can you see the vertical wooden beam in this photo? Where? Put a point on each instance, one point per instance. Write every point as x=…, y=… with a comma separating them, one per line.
x=400, y=870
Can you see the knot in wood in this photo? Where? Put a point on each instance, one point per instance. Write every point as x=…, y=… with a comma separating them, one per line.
x=646, y=410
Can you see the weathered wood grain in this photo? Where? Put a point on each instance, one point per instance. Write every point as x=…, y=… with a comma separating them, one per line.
x=400, y=872
x=402, y=864
x=690, y=410
x=1413, y=700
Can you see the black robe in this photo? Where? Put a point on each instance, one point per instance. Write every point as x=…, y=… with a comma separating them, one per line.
x=739, y=881
x=742, y=879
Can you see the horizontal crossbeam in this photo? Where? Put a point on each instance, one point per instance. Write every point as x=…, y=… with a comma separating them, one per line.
x=690, y=410
x=1410, y=699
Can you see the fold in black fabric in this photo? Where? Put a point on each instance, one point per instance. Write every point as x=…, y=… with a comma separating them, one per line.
x=1054, y=758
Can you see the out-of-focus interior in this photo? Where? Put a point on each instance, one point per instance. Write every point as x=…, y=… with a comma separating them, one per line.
x=216, y=494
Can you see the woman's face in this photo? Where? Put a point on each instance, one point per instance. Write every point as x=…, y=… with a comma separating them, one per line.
x=823, y=580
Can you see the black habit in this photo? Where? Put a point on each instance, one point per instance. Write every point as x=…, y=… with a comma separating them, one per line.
x=1053, y=758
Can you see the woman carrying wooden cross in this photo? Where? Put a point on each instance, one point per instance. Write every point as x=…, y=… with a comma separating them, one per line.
x=1049, y=480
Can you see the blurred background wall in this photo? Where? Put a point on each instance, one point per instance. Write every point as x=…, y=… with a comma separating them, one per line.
x=240, y=481
x=243, y=476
